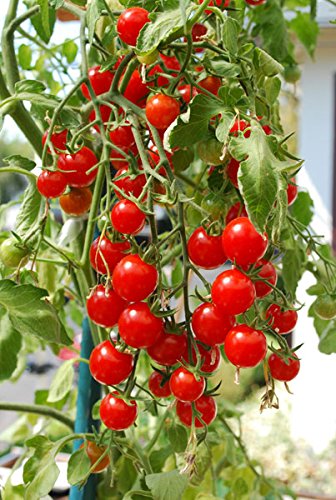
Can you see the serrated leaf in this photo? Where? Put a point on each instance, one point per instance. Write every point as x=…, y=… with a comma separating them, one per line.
x=224, y=126
x=231, y=30
x=178, y=438
x=265, y=63
x=31, y=86
x=223, y=68
x=280, y=212
x=29, y=210
x=20, y=162
x=69, y=50
x=78, y=466
x=62, y=382
x=93, y=13
x=307, y=30
x=167, y=485
x=303, y=208
x=25, y=56
x=10, y=346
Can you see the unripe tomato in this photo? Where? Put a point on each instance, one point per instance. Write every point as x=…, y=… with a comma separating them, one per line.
x=133, y=279
x=325, y=307
x=184, y=385
x=168, y=348
x=205, y=405
x=138, y=326
x=58, y=140
x=214, y=204
x=240, y=126
x=105, y=254
x=108, y=365
x=77, y=201
x=157, y=387
x=209, y=325
x=211, y=84
x=282, y=321
x=204, y=250
x=242, y=243
x=12, y=255
x=94, y=452
x=210, y=151
x=129, y=185
x=130, y=23
x=292, y=74
x=127, y=218
x=104, y=306
x=101, y=81
x=267, y=272
x=116, y=414
x=162, y=110
x=51, y=184
x=232, y=171
x=233, y=292
x=78, y=168
x=245, y=347
x=149, y=58
x=292, y=192
x=237, y=210
x=283, y=370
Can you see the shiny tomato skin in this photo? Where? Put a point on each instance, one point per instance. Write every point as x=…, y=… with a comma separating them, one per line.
x=235, y=211
x=242, y=243
x=137, y=91
x=138, y=326
x=94, y=452
x=168, y=348
x=233, y=292
x=240, y=126
x=186, y=93
x=184, y=385
x=292, y=192
x=58, y=140
x=245, y=347
x=51, y=184
x=171, y=63
x=77, y=202
x=127, y=218
x=100, y=81
x=122, y=136
x=205, y=405
x=204, y=250
x=282, y=321
x=157, y=388
x=282, y=371
x=116, y=414
x=217, y=3
x=109, y=366
x=255, y=2
x=133, y=279
x=129, y=24
x=104, y=306
x=77, y=168
x=209, y=325
x=211, y=84
x=210, y=358
x=232, y=171
x=197, y=33
x=106, y=253
x=162, y=110
x=267, y=272
x=129, y=185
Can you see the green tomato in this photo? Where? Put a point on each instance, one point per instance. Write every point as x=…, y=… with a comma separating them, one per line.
x=325, y=307
x=210, y=151
x=214, y=205
x=11, y=254
x=149, y=58
x=292, y=74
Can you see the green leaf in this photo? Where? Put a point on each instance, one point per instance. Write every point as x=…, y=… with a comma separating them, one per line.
x=29, y=210
x=69, y=50
x=20, y=162
x=292, y=268
x=31, y=86
x=178, y=437
x=10, y=492
x=62, y=382
x=265, y=63
x=93, y=13
x=303, y=208
x=182, y=158
x=327, y=343
x=44, y=21
x=158, y=458
x=224, y=126
x=167, y=485
x=272, y=25
x=222, y=68
x=272, y=87
x=31, y=313
x=280, y=217
x=25, y=56
x=307, y=30
x=231, y=30
x=10, y=346
x=78, y=466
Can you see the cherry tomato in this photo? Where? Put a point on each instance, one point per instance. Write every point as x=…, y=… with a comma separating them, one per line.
x=242, y=243
x=233, y=292
x=120, y=160
x=108, y=365
x=105, y=254
x=211, y=84
x=116, y=414
x=187, y=93
x=245, y=347
x=232, y=171
x=104, y=306
x=77, y=201
x=77, y=168
x=51, y=184
x=171, y=63
x=162, y=110
x=282, y=321
x=168, y=348
x=11, y=254
x=154, y=159
x=127, y=218
x=209, y=325
x=122, y=136
x=157, y=387
x=240, y=126
x=205, y=405
x=105, y=113
x=58, y=140
x=210, y=357
x=129, y=185
x=267, y=272
x=204, y=250
x=94, y=452
x=292, y=192
x=237, y=210
x=255, y=2
x=184, y=385
x=133, y=279
x=283, y=370
x=137, y=91
x=325, y=306
x=217, y=3
x=292, y=74
x=130, y=23
x=100, y=81
x=197, y=33
x=138, y=326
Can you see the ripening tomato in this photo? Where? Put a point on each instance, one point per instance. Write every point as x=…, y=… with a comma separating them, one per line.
x=129, y=184
x=187, y=92
x=168, y=348
x=137, y=91
x=233, y=292
x=77, y=202
x=232, y=171
x=209, y=325
x=133, y=279
x=267, y=272
x=171, y=63
x=162, y=110
x=58, y=140
x=159, y=386
x=204, y=250
x=105, y=113
x=108, y=365
x=240, y=126
x=94, y=452
x=12, y=254
x=245, y=347
x=127, y=218
x=292, y=191
x=283, y=369
x=217, y=3
x=104, y=306
x=130, y=23
x=242, y=243
x=237, y=210
x=255, y=2
x=116, y=414
x=105, y=254
x=211, y=84
x=101, y=81
x=210, y=357
x=78, y=168
x=51, y=184
x=138, y=326
x=205, y=405
x=282, y=321
x=184, y=385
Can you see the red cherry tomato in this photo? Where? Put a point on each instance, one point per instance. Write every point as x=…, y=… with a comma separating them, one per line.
x=77, y=202
x=77, y=168
x=116, y=414
x=210, y=358
x=104, y=306
x=232, y=171
x=204, y=250
x=129, y=185
x=282, y=321
x=58, y=140
x=205, y=405
x=255, y=2
x=197, y=33
x=108, y=365
x=186, y=93
x=157, y=387
x=122, y=136
x=138, y=326
x=240, y=126
x=171, y=63
x=162, y=110
x=105, y=254
x=94, y=452
x=209, y=325
x=242, y=243
x=237, y=210
x=283, y=370
x=245, y=347
x=120, y=160
x=137, y=91
x=129, y=24
x=217, y=3
x=105, y=113
x=168, y=349
x=133, y=279
x=51, y=184
x=154, y=159
x=184, y=385
x=100, y=81
x=127, y=218
x=233, y=292
x=267, y=272
x=292, y=192
x=211, y=84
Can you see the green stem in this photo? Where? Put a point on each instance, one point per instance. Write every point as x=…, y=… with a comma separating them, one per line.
x=45, y=411
x=158, y=431
x=18, y=170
